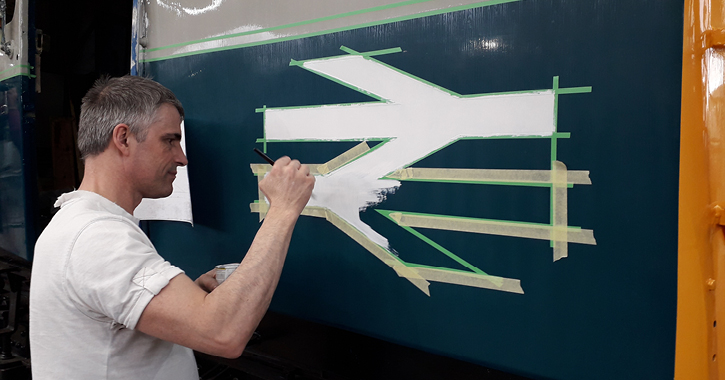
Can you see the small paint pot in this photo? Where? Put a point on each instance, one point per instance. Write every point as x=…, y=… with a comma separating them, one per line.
x=224, y=271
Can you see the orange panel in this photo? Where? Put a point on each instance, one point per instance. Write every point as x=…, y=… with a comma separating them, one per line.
x=702, y=164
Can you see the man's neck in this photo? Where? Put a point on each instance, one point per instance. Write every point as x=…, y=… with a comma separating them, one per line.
x=110, y=184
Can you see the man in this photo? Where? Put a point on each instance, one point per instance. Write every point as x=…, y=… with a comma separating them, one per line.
x=103, y=303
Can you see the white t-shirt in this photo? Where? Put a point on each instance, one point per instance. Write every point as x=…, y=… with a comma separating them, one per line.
x=94, y=272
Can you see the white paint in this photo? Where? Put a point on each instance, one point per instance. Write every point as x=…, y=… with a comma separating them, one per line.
x=178, y=8
x=420, y=118
x=225, y=42
x=176, y=206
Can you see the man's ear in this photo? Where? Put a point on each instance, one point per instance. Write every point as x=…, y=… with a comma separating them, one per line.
x=120, y=138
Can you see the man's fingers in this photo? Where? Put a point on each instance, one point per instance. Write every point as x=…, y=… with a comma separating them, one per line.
x=207, y=281
x=282, y=161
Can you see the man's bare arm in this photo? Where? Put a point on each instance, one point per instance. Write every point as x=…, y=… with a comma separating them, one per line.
x=221, y=322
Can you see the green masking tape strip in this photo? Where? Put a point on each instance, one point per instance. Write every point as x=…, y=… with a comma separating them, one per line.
x=508, y=137
x=493, y=176
x=490, y=227
x=574, y=90
x=443, y=250
x=323, y=140
x=13, y=72
x=345, y=84
x=371, y=53
x=321, y=105
x=504, y=93
x=294, y=62
x=531, y=184
x=323, y=32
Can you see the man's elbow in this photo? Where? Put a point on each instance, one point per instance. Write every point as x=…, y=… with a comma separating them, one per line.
x=231, y=347
x=231, y=352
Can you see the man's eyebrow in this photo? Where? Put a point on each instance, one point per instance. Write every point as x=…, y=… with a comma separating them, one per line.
x=175, y=136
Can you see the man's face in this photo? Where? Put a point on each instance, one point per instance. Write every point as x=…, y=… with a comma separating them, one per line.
x=154, y=161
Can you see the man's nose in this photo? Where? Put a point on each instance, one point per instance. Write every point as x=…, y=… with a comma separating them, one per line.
x=181, y=158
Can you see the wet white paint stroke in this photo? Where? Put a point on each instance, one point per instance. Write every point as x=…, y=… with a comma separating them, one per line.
x=231, y=41
x=418, y=117
x=178, y=8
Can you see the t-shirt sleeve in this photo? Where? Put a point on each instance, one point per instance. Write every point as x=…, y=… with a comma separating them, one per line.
x=113, y=272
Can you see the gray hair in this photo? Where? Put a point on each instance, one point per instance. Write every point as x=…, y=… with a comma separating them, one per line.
x=129, y=100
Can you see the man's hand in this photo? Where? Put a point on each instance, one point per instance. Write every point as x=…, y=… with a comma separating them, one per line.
x=288, y=186
x=207, y=281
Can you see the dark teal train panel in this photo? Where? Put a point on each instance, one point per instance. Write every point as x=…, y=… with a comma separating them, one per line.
x=605, y=311
x=17, y=181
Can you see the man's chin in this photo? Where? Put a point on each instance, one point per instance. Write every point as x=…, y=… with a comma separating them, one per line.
x=159, y=193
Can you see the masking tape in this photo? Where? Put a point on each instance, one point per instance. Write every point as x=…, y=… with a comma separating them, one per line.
x=490, y=175
x=559, y=205
x=492, y=227
x=371, y=53
x=413, y=276
x=259, y=169
x=318, y=212
x=356, y=151
x=259, y=207
x=321, y=169
x=262, y=169
x=471, y=279
x=264, y=206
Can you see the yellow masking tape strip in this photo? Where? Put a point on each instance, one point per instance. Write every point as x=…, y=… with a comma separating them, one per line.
x=259, y=169
x=259, y=207
x=318, y=212
x=344, y=158
x=559, y=201
x=322, y=169
x=472, y=279
x=490, y=175
x=480, y=226
x=264, y=206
